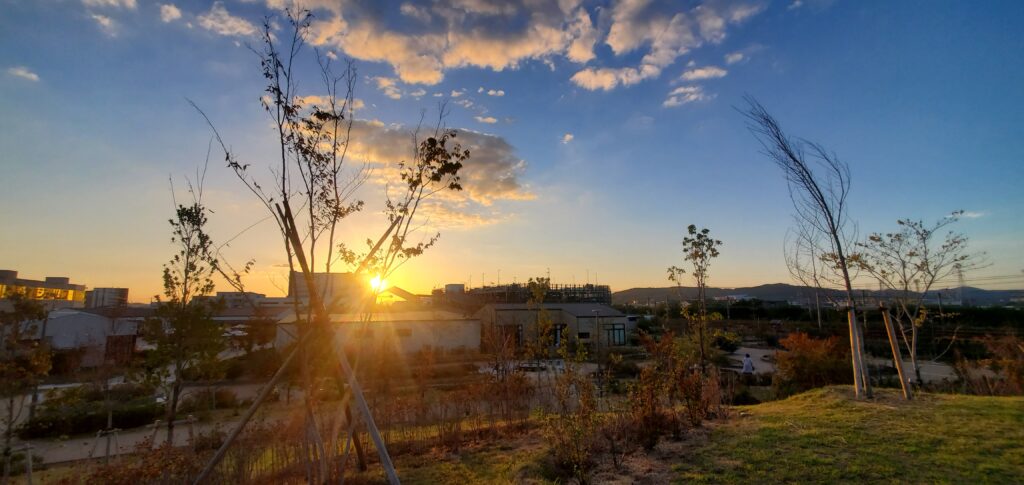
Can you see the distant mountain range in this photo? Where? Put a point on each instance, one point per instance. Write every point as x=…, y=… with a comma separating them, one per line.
x=804, y=294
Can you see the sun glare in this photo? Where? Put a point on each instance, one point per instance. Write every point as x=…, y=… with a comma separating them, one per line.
x=378, y=284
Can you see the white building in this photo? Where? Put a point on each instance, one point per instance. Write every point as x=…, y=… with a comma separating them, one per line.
x=407, y=331
x=92, y=337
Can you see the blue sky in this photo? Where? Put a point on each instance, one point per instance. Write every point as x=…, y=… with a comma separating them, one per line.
x=922, y=99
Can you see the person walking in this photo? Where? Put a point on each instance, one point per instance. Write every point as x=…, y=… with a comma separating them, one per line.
x=748, y=365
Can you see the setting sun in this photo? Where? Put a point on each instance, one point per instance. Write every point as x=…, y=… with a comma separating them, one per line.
x=378, y=284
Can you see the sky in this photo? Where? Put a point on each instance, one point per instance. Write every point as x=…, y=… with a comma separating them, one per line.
x=598, y=130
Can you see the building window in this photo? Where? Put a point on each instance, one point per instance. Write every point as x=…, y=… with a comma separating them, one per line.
x=615, y=333
x=558, y=330
x=583, y=335
x=512, y=334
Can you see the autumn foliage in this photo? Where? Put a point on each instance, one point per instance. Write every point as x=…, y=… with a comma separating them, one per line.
x=808, y=362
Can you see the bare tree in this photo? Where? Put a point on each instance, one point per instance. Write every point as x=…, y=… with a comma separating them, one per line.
x=308, y=194
x=908, y=263
x=819, y=184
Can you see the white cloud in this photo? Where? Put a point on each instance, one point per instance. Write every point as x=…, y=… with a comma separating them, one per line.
x=684, y=95
x=389, y=86
x=110, y=3
x=566, y=138
x=456, y=94
x=495, y=35
x=107, y=24
x=492, y=172
x=490, y=120
x=419, y=93
x=974, y=214
x=734, y=57
x=795, y=5
x=495, y=92
x=708, y=72
x=23, y=73
x=666, y=30
x=169, y=13
x=220, y=21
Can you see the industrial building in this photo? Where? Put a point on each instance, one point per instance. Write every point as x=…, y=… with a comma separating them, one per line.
x=475, y=298
x=591, y=324
x=53, y=292
x=106, y=297
x=405, y=332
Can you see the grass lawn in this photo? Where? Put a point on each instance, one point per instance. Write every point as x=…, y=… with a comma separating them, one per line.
x=824, y=436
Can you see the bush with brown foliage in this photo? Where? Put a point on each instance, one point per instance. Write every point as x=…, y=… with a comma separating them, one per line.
x=1001, y=374
x=807, y=363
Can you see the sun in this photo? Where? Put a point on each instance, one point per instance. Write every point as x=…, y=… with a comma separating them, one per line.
x=378, y=284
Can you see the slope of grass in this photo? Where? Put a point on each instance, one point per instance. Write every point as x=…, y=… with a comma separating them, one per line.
x=825, y=436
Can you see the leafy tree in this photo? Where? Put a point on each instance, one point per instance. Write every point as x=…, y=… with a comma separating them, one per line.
x=908, y=262
x=185, y=337
x=699, y=248
x=24, y=359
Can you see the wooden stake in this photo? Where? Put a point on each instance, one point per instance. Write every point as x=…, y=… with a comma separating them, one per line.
x=897, y=358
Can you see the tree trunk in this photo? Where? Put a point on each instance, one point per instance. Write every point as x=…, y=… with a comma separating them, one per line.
x=913, y=355
x=8, y=436
x=172, y=409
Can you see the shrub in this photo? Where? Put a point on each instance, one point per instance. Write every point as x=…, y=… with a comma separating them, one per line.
x=727, y=341
x=1001, y=374
x=208, y=399
x=649, y=415
x=89, y=417
x=808, y=362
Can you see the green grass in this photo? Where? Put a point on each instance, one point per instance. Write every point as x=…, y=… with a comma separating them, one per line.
x=825, y=436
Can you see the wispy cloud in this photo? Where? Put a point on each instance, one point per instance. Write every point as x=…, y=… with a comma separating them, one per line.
x=220, y=21
x=974, y=214
x=701, y=73
x=685, y=95
x=566, y=138
x=23, y=73
x=734, y=57
x=169, y=13
x=130, y=4
x=490, y=120
x=389, y=86
x=107, y=24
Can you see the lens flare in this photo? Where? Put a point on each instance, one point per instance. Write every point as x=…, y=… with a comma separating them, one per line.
x=378, y=284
